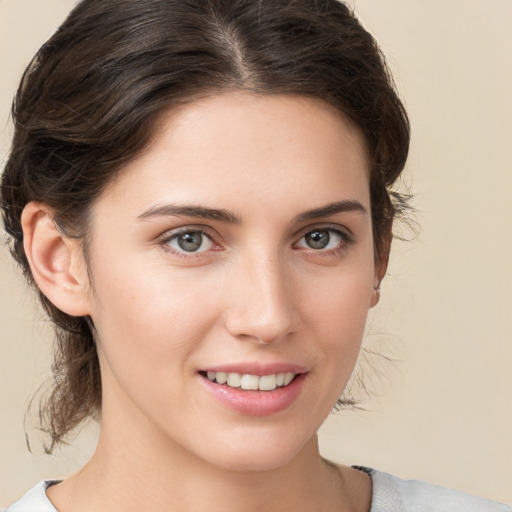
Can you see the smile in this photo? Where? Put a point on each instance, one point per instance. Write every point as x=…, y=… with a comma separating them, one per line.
x=252, y=382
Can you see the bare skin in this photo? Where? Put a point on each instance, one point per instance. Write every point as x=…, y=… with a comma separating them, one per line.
x=322, y=488
x=257, y=290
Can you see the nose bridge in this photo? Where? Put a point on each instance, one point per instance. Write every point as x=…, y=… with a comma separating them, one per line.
x=262, y=306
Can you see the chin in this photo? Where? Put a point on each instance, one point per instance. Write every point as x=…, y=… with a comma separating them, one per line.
x=254, y=462
x=258, y=451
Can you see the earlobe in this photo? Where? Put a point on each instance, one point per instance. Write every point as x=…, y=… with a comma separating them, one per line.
x=381, y=265
x=55, y=261
x=375, y=295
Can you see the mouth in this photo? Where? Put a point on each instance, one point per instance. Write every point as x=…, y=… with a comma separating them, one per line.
x=254, y=390
x=250, y=382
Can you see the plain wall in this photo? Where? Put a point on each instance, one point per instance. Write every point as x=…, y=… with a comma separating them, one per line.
x=444, y=407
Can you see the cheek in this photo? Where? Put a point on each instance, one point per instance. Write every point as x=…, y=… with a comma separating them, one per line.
x=151, y=320
x=339, y=302
x=336, y=316
x=149, y=329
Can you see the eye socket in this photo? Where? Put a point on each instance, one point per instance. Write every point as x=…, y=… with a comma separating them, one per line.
x=323, y=239
x=190, y=242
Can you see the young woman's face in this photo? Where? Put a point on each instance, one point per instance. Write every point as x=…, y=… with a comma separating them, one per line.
x=238, y=246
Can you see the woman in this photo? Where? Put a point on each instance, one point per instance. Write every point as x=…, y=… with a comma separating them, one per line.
x=200, y=192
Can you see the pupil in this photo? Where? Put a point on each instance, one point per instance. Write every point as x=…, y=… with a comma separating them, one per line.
x=318, y=239
x=190, y=241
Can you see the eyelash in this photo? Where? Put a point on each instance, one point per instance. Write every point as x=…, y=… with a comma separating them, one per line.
x=169, y=237
x=345, y=240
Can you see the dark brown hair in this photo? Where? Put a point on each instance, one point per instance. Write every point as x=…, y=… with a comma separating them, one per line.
x=89, y=100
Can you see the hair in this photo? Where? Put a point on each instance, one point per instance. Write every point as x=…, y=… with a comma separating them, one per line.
x=89, y=100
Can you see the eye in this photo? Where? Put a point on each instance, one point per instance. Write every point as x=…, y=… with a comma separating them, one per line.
x=190, y=241
x=323, y=239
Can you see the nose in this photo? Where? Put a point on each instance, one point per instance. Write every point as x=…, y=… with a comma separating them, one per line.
x=262, y=304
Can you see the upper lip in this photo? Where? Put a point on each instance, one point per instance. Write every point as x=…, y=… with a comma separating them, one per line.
x=254, y=368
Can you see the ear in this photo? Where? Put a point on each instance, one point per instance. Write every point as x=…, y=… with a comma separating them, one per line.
x=56, y=261
x=381, y=263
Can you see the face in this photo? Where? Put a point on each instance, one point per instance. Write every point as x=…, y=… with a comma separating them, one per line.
x=238, y=246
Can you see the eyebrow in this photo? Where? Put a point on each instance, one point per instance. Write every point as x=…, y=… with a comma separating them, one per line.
x=332, y=209
x=231, y=218
x=191, y=211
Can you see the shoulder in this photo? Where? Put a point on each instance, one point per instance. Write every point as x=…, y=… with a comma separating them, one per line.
x=392, y=493
x=35, y=500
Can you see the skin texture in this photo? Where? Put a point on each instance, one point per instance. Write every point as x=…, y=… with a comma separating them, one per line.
x=255, y=292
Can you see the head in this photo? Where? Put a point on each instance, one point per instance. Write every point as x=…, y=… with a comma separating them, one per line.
x=97, y=96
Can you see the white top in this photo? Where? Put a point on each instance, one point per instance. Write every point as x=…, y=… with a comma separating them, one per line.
x=390, y=494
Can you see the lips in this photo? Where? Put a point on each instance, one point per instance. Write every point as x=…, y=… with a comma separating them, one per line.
x=253, y=389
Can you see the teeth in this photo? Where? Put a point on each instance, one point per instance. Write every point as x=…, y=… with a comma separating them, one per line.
x=234, y=380
x=288, y=377
x=249, y=382
x=268, y=382
x=252, y=382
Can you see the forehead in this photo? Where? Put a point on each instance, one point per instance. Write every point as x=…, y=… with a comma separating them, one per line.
x=238, y=146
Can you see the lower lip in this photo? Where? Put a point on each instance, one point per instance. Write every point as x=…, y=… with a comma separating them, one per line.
x=257, y=403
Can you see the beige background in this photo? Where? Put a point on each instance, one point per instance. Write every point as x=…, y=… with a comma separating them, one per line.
x=444, y=413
